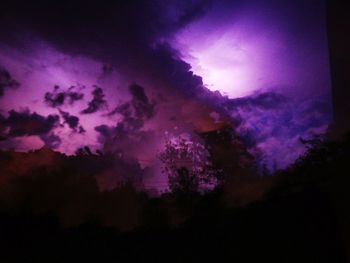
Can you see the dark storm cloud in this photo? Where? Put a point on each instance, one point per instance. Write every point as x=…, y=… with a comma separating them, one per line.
x=139, y=105
x=81, y=129
x=6, y=81
x=106, y=132
x=98, y=101
x=2, y=123
x=72, y=121
x=127, y=35
x=140, y=101
x=54, y=100
x=135, y=21
x=134, y=112
x=25, y=123
x=74, y=96
x=127, y=136
x=51, y=140
x=123, y=131
x=123, y=109
x=58, y=97
x=168, y=67
x=266, y=101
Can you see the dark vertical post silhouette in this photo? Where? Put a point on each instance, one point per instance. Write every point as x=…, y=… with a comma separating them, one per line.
x=338, y=24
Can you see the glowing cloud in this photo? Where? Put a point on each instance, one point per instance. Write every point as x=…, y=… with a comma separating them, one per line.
x=254, y=51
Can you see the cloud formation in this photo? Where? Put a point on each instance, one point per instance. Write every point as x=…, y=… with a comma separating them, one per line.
x=58, y=97
x=25, y=123
x=273, y=124
x=134, y=113
x=97, y=103
x=140, y=105
x=72, y=122
x=51, y=140
x=6, y=81
x=134, y=42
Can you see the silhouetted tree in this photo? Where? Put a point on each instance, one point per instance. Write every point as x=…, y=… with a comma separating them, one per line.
x=228, y=154
x=187, y=166
x=183, y=181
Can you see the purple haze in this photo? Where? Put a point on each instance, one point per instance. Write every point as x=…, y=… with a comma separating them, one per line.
x=269, y=62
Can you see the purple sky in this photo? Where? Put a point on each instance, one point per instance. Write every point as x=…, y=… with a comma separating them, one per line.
x=268, y=60
x=259, y=47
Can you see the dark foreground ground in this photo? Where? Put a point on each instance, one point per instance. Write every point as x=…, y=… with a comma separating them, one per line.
x=300, y=227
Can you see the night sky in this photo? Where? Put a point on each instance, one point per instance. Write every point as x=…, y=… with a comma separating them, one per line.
x=131, y=76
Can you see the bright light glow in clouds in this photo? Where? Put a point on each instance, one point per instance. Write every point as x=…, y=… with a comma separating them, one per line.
x=253, y=51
